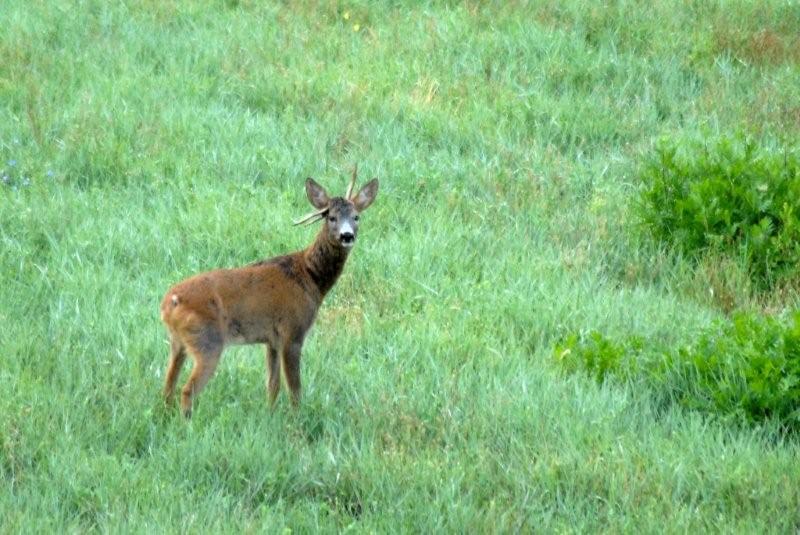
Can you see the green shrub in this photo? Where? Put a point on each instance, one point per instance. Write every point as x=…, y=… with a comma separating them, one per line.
x=733, y=197
x=746, y=368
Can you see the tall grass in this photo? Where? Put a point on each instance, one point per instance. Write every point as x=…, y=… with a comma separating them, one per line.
x=145, y=141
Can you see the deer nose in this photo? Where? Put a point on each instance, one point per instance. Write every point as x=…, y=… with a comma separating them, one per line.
x=347, y=237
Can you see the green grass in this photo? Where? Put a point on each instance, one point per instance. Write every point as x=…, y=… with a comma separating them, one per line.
x=146, y=141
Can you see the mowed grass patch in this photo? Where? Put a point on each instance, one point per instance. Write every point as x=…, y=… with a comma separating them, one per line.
x=146, y=142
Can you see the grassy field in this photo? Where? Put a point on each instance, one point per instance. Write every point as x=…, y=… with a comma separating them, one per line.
x=142, y=142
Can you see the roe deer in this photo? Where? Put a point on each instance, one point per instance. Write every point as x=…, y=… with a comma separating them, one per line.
x=272, y=302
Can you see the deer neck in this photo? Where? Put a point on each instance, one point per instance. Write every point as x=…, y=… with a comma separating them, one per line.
x=324, y=261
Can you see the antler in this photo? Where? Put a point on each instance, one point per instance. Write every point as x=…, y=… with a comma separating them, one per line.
x=352, y=183
x=312, y=217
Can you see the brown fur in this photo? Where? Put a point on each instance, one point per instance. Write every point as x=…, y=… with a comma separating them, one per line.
x=272, y=302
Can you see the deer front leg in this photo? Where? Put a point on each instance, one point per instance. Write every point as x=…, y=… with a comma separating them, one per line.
x=291, y=369
x=274, y=375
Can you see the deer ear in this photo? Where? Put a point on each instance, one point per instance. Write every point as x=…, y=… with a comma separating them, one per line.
x=366, y=195
x=316, y=194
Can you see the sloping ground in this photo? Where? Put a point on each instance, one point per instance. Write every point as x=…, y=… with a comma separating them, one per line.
x=140, y=144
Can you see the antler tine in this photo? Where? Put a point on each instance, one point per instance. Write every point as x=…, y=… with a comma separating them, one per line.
x=311, y=218
x=352, y=182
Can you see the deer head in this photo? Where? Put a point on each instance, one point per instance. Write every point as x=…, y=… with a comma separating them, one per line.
x=341, y=214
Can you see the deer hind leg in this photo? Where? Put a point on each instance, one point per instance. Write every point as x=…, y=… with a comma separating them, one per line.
x=206, y=348
x=177, y=355
x=291, y=369
x=274, y=371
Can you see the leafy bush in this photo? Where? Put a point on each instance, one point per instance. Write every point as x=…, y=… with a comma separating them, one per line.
x=746, y=368
x=733, y=197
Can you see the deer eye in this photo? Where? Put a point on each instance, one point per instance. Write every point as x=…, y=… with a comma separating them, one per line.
x=332, y=219
x=356, y=218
